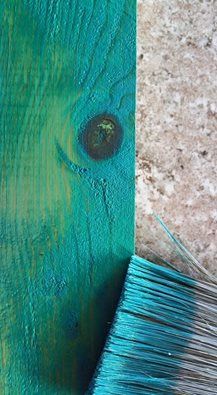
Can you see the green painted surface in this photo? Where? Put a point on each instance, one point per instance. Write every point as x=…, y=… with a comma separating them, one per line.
x=66, y=217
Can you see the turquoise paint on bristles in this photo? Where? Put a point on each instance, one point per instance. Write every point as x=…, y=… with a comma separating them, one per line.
x=164, y=336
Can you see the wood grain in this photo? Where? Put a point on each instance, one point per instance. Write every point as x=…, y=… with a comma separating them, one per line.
x=66, y=223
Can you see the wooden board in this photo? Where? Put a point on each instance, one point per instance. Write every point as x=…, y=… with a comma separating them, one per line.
x=67, y=74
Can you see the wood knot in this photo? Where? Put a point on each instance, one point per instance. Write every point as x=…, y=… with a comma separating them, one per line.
x=102, y=137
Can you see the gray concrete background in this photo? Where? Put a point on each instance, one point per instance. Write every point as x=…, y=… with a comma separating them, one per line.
x=177, y=124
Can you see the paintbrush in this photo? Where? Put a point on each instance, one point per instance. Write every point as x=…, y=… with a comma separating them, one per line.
x=163, y=339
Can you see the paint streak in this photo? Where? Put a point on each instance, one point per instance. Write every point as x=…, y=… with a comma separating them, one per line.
x=66, y=220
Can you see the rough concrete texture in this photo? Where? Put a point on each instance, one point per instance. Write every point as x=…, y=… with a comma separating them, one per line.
x=177, y=123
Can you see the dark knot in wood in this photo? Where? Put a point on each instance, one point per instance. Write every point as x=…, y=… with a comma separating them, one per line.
x=102, y=136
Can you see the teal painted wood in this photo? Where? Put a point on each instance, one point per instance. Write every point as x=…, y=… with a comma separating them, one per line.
x=67, y=185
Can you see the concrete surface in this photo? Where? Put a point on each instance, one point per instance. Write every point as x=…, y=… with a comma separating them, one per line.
x=177, y=124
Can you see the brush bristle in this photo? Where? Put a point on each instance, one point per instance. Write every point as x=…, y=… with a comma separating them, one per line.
x=164, y=336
